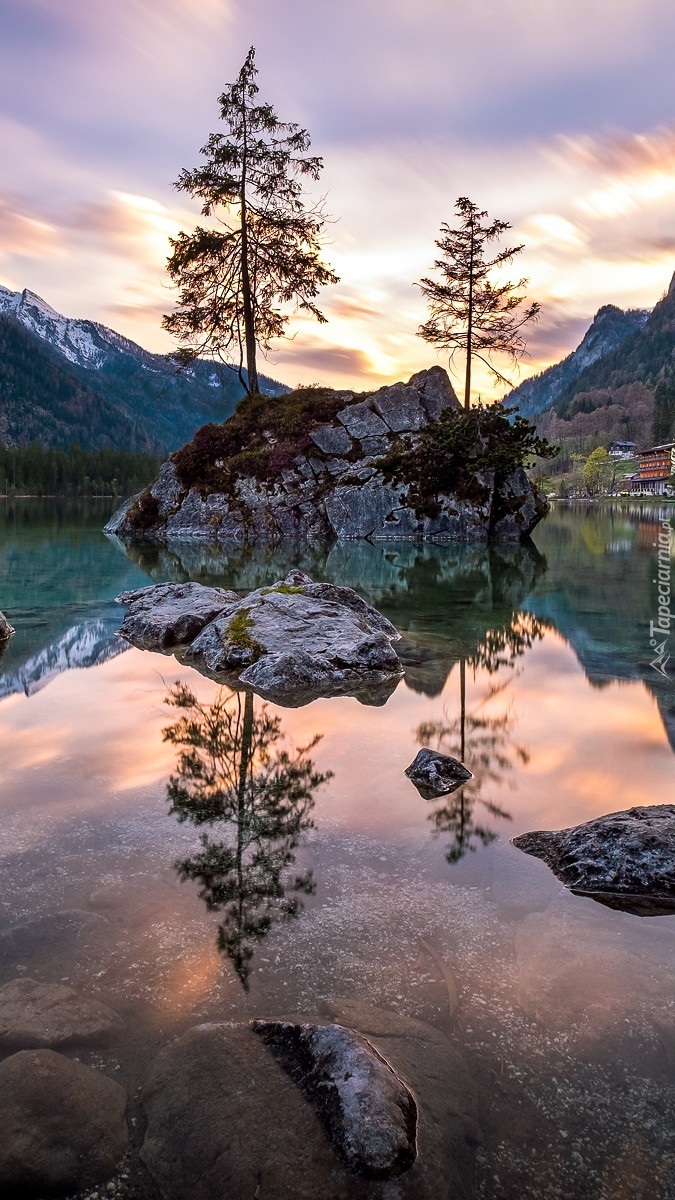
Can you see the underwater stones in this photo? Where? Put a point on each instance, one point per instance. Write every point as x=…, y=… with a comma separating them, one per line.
x=48, y=1015
x=624, y=859
x=291, y=642
x=227, y=1118
x=369, y=1112
x=63, y=1125
x=169, y=614
x=435, y=774
x=6, y=630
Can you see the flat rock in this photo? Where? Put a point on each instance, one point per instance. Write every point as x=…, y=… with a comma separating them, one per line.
x=63, y=1125
x=168, y=614
x=6, y=630
x=36, y=1015
x=625, y=859
x=435, y=774
x=290, y=642
x=369, y=1112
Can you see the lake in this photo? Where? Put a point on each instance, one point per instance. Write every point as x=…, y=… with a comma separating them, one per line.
x=531, y=663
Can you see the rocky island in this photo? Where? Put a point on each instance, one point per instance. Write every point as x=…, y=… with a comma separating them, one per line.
x=402, y=463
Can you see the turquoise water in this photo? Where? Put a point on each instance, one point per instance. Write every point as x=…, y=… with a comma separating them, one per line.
x=532, y=663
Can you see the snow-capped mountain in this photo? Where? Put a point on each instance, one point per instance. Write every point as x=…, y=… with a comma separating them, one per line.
x=86, y=645
x=64, y=380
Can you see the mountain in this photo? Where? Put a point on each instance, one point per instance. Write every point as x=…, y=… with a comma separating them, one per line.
x=84, y=645
x=64, y=381
x=610, y=328
x=644, y=357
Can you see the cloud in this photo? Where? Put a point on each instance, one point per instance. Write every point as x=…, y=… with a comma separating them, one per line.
x=25, y=235
x=341, y=361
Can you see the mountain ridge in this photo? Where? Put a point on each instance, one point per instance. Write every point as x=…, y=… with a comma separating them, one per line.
x=130, y=398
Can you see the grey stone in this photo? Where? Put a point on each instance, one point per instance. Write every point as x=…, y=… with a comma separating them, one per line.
x=298, y=639
x=355, y=511
x=625, y=859
x=170, y=614
x=35, y=1015
x=435, y=391
x=376, y=446
x=166, y=489
x=332, y=439
x=435, y=774
x=361, y=421
x=6, y=630
x=401, y=408
x=369, y=1112
x=63, y=1126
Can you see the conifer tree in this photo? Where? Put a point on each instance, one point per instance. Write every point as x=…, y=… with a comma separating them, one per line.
x=261, y=253
x=468, y=312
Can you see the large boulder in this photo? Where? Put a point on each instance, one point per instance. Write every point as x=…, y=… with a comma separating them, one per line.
x=327, y=481
x=290, y=642
x=625, y=859
x=227, y=1117
x=39, y=1015
x=63, y=1126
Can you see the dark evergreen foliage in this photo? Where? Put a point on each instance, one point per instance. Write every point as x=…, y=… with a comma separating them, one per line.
x=33, y=471
x=454, y=450
x=663, y=427
x=467, y=311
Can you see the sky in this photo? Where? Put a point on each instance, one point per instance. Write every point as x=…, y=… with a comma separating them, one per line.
x=555, y=115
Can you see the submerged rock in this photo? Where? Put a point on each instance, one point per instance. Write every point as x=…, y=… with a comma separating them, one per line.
x=435, y=774
x=327, y=480
x=6, y=630
x=290, y=642
x=225, y=1118
x=369, y=1112
x=63, y=1125
x=625, y=859
x=35, y=1015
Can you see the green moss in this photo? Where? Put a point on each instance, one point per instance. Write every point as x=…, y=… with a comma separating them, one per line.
x=239, y=632
x=285, y=589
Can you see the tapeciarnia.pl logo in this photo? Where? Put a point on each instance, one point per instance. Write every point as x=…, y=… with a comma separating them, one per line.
x=661, y=626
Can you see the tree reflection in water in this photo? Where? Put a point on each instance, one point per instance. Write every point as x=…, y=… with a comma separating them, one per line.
x=480, y=740
x=234, y=772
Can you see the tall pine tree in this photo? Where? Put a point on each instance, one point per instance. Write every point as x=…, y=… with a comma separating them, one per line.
x=261, y=254
x=468, y=312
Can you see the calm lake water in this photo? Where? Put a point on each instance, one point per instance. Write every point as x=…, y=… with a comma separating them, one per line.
x=361, y=888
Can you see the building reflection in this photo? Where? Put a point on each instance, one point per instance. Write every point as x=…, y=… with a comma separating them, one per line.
x=251, y=795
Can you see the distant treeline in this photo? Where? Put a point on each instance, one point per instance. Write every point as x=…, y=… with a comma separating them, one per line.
x=33, y=471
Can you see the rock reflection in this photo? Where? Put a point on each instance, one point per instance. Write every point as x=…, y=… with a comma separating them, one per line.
x=236, y=774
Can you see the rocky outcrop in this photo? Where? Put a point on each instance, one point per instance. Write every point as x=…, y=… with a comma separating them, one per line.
x=625, y=859
x=435, y=774
x=290, y=642
x=330, y=483
x=49, y=1016
x=63, y=1125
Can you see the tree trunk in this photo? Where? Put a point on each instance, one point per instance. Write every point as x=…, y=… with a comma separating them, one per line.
x=247, y=299
x=469, y=331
